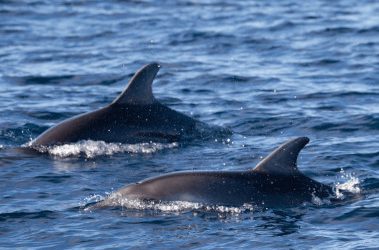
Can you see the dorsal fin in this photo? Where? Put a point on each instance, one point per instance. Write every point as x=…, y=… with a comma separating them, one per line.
x=139, y=90
x=283, y=159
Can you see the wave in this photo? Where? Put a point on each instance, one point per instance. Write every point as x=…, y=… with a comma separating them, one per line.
x=66, y=80
x=27, y=215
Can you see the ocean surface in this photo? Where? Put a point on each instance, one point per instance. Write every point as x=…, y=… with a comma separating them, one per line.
x=267, y=70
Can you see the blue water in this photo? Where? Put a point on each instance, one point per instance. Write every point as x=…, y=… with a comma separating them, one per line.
x=268, y=70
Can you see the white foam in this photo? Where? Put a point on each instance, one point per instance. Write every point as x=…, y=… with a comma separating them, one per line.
x=92, y=199
x=116, y=200
x=90, y=149
x=349, y=183
x=319, y=201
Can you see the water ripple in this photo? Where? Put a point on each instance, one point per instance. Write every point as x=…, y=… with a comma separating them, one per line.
x=267, y=70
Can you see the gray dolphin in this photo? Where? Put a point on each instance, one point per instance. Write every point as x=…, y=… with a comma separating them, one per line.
x=134, y=116
x=275, y=181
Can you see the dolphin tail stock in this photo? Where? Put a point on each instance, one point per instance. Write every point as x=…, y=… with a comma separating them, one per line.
x=139, y=90
x=283, y=160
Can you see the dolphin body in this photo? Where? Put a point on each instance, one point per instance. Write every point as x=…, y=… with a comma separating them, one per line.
x=274, y=182
x=135, y=116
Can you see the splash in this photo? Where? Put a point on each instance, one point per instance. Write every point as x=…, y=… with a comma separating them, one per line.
x=348, y=184
x=345, y=188
x=115, y=200
x=91, y=149
x=91, y=199
x=318, y=201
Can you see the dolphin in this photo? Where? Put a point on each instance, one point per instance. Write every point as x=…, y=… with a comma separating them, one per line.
x=135, y=116
x=274, y=182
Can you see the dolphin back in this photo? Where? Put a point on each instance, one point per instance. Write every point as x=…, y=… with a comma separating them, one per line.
x=135, y=116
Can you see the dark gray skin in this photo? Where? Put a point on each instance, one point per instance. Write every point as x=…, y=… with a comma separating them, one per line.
x=121, y=123
x=274, y=182
x=135, y=116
